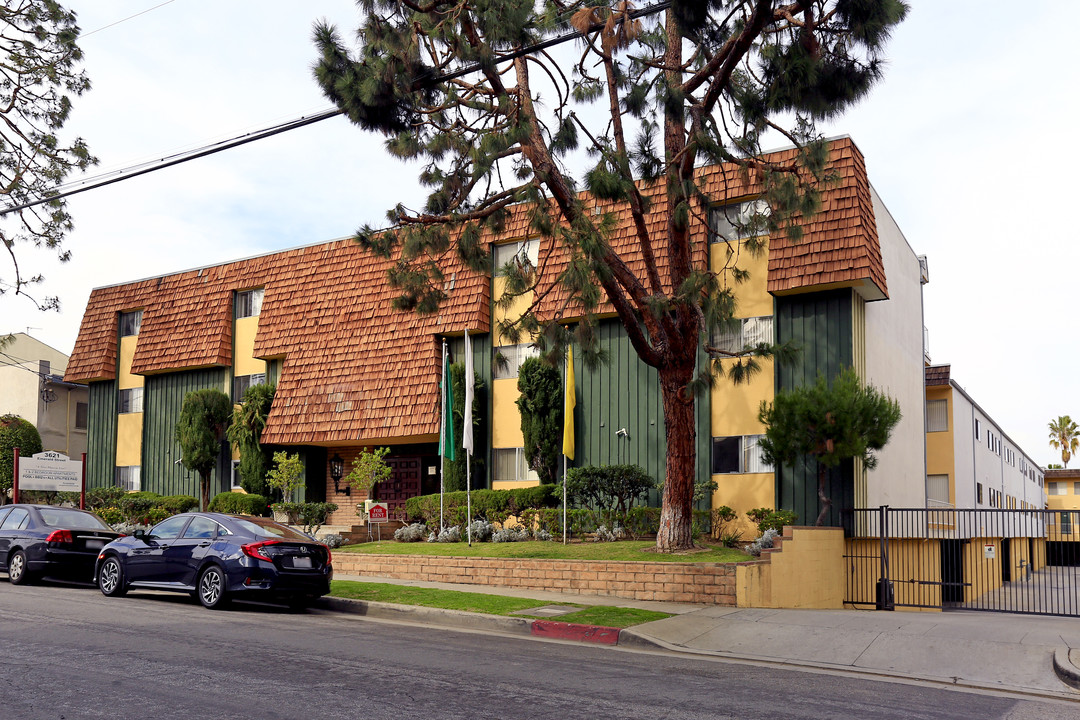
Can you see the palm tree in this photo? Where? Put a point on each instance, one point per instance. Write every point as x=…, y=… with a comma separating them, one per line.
x=1064, y=434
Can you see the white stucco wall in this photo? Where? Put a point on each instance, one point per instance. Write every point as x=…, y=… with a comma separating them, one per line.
x=895, y=365
x=20, y=394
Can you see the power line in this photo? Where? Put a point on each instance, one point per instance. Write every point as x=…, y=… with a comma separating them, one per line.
x=144, y=168
x=129, y=17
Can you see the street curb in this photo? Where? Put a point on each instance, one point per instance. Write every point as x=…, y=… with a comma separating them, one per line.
x=460, y=619
x=1066, y=671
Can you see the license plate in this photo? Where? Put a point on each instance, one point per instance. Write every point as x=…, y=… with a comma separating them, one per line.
x=301, y=562
x=95, y=544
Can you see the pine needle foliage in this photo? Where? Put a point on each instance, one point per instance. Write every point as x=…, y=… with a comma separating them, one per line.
x=39, y=74
x=204, y=417
x=540, y=404
x=640, y=96
x=248, y=422
x=830, y=423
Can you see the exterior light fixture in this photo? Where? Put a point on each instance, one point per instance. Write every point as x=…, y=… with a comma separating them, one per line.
x=337, y=469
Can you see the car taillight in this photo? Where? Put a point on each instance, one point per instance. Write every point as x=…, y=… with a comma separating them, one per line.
x=255, y=549
x=60, y=536
x=329, y=555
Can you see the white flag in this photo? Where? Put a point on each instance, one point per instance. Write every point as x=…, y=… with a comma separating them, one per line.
x=467, y=425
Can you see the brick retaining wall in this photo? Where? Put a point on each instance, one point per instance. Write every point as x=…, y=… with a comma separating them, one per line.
x=701, y=583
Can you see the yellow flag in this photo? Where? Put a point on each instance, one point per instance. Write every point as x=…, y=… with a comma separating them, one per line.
x=568, y=409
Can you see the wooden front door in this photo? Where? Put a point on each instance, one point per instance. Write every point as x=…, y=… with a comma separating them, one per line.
x=403, y=484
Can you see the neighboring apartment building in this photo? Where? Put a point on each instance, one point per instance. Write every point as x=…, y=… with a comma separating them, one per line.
x=351, y=372
x=32, y=386
x=1063, y=497
x=970, y=461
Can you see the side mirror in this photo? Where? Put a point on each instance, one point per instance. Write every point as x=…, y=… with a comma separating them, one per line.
x=141, y=534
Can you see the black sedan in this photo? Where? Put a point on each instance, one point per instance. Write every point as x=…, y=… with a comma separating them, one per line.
x=217, y=557
x=38, y=540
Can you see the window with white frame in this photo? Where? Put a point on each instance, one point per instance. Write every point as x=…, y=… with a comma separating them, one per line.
x=738, y=221
x=128, y=477
x=241, y=383
x=82, y=415
x=525, y=253
x=131, y=400
x=937, y=415
x=510, y=466
x=738, y=454
x=748, y=333
x=130, y=322
x=249, y=303
x=509, y=358
x=937, y=490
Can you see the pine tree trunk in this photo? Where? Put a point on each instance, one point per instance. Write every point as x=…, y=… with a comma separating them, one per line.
x=826, y=502
x=676, y=517
x=204, y=491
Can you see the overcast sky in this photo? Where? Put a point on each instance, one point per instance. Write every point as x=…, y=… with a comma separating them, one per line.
x=967, y=141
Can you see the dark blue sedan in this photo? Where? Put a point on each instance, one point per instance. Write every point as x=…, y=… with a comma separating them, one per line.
x=217, y=557
x=37, y=540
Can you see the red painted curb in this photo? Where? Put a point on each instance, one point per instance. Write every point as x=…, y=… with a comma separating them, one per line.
x=573, y=631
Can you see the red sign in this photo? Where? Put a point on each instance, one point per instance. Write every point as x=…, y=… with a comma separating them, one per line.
x=378, y=513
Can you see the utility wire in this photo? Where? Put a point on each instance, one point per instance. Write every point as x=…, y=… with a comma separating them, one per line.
x=128, y=173
x=129, y=17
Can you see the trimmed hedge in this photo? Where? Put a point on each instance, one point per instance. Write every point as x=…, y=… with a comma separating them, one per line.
x=240, y=503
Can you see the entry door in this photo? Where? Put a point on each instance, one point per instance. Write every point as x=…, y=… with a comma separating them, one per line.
x=403, y=484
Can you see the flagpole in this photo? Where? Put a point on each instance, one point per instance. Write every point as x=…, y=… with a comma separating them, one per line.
x=466, y=434
x=442, y=434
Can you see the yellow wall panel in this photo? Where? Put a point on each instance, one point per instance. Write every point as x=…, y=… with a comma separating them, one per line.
x=506, y=420
x=735, y=408
x=244, y=361
x=742, y=492
x=129, y=439
x=752, y=295
x=124, y=379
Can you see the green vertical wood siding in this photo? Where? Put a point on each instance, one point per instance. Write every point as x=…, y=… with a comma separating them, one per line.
x=101, y=435
x=163, y=398
x=625, y=393
x=821, y=324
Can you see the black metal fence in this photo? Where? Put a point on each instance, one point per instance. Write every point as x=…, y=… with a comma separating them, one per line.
x=1018, y=561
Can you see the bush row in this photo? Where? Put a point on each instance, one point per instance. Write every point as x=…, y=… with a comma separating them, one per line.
x=240, y=504
x=490, y=505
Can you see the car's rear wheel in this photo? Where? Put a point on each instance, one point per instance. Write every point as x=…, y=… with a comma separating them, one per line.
x=212, y=588
x=111, y=578
x=18, y=572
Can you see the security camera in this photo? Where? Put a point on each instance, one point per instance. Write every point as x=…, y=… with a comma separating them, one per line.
x=621, y=432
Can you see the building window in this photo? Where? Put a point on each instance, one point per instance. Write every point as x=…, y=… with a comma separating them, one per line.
x=937, y=415
x=249, y=303
x=510, y=466
x=130, y=322
x=737, y=454
x=525, y=253
x=750, y=332
x=509, y=358
x=127, y=477
x=131, y=400
x=738, y=221
x=937, y=491
x=82, y=415
x=235, y=475
x=1056, y=488
x=976, y=429
x=978, y=493
x=1066, y=523
x=241, y=383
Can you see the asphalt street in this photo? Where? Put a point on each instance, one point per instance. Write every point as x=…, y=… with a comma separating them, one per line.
x=69, y=653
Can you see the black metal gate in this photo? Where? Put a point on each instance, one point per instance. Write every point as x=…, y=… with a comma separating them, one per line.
x=1017, y=561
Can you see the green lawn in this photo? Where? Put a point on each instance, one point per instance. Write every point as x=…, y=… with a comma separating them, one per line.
x=616, y=617
x=640, y=550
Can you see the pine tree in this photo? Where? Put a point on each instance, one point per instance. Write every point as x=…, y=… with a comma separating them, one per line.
x=829, y=423
x=540, y=405
x=200, y=430
x=463, y=88
x=38, y=74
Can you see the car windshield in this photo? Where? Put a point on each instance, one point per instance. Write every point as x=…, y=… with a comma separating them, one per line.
x=71, y=519
x=269, y=529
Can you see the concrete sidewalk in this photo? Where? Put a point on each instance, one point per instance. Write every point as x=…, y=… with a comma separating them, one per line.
x=1027, y=654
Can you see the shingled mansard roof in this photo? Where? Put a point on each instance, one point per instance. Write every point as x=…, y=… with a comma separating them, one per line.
x=355, y=370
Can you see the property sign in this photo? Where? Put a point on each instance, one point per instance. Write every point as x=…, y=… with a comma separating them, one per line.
x=378, y=513
x=989, y=552
x=50, y=471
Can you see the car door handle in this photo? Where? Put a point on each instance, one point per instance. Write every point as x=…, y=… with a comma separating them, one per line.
x=205, y=544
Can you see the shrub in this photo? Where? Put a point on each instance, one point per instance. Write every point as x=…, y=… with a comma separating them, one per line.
x=610, y=490
x=332, y=540
x=762, y=543
x=516, y=533
x=155, y=515
x=769, y=519
x=240, y=503
x=15, y=432
x=313, y=515
x=617, y=532
x=481, y=530
x=176, y=504
x=110, y=515
x=411, y=533
x=721, y=517
x=450, y=534
x=135, y=506
x=103, y=497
